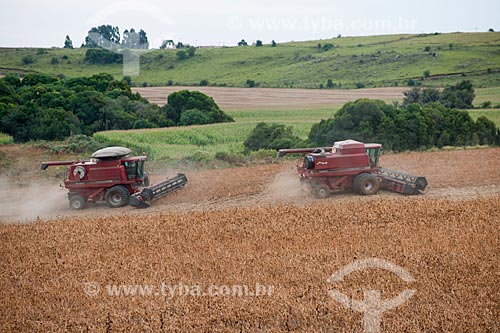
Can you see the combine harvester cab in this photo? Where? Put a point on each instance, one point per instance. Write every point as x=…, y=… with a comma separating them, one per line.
x=113, y=176
x=351, y=165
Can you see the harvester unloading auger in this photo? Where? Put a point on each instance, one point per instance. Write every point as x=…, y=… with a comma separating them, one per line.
x=352, y=165
x=115, y=177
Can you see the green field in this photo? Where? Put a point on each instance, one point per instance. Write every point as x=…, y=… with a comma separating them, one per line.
x=487, y=94
x=5, y=139
x=204, y=141
x=372, y=61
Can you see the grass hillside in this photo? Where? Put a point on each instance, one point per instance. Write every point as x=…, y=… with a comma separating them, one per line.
x=373, y=61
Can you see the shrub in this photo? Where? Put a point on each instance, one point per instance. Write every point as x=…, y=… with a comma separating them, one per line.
x=271, y=136
x=230, y=158
x=486, y=105
x=204, y=83
x=327, y=47
x=251, y=83
x=181, y=55
x=28, y=59
x=102, y=57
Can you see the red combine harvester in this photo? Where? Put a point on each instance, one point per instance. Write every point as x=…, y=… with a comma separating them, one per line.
x=112, y=176
x=351, y=165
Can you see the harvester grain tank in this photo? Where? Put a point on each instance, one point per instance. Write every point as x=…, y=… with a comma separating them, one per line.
x=352, y=165
x=113, y=176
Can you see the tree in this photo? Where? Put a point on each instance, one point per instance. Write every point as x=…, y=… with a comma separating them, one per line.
x=273, y=43
x=143, y=40
x=181, y=101
x=459, y=96
x=179, y=45
x=44, y=107
x=486, y=131
x=102, y=36
x=330, y=84
x=193, y=117
x=28, y=59
x=491, y=30
x=421, y=96
x=167, y=43
x=258, y=43
x=68, y=43
x=242, y=43
x=408, y=128
x=427, y=74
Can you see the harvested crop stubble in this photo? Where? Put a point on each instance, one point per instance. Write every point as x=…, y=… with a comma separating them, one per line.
x=450, y=248
x=462, y=167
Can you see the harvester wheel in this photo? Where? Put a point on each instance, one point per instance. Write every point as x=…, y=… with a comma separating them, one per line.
x=117, y=196
x=366, y=184
x=321, y=191
x=77, y=202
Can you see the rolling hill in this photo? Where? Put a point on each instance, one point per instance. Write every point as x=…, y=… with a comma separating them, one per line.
x=350, y=62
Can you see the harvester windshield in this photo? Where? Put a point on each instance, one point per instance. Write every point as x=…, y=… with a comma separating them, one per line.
x=134, y=169
x=373, y=154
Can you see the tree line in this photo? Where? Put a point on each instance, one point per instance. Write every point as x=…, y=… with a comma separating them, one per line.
x=427, y=118
x=43, y=107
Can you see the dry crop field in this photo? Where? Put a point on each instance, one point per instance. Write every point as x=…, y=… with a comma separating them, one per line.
x=265, y=98
x=255, y=226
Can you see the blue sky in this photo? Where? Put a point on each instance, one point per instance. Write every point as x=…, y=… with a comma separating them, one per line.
x=223, y=22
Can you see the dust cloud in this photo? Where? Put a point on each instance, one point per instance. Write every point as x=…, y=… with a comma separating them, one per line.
x=286, y=187
x=25, y=203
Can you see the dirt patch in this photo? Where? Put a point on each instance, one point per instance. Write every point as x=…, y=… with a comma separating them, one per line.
x=275, y=98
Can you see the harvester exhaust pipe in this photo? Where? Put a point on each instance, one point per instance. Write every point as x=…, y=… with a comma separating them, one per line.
x=283, y=152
